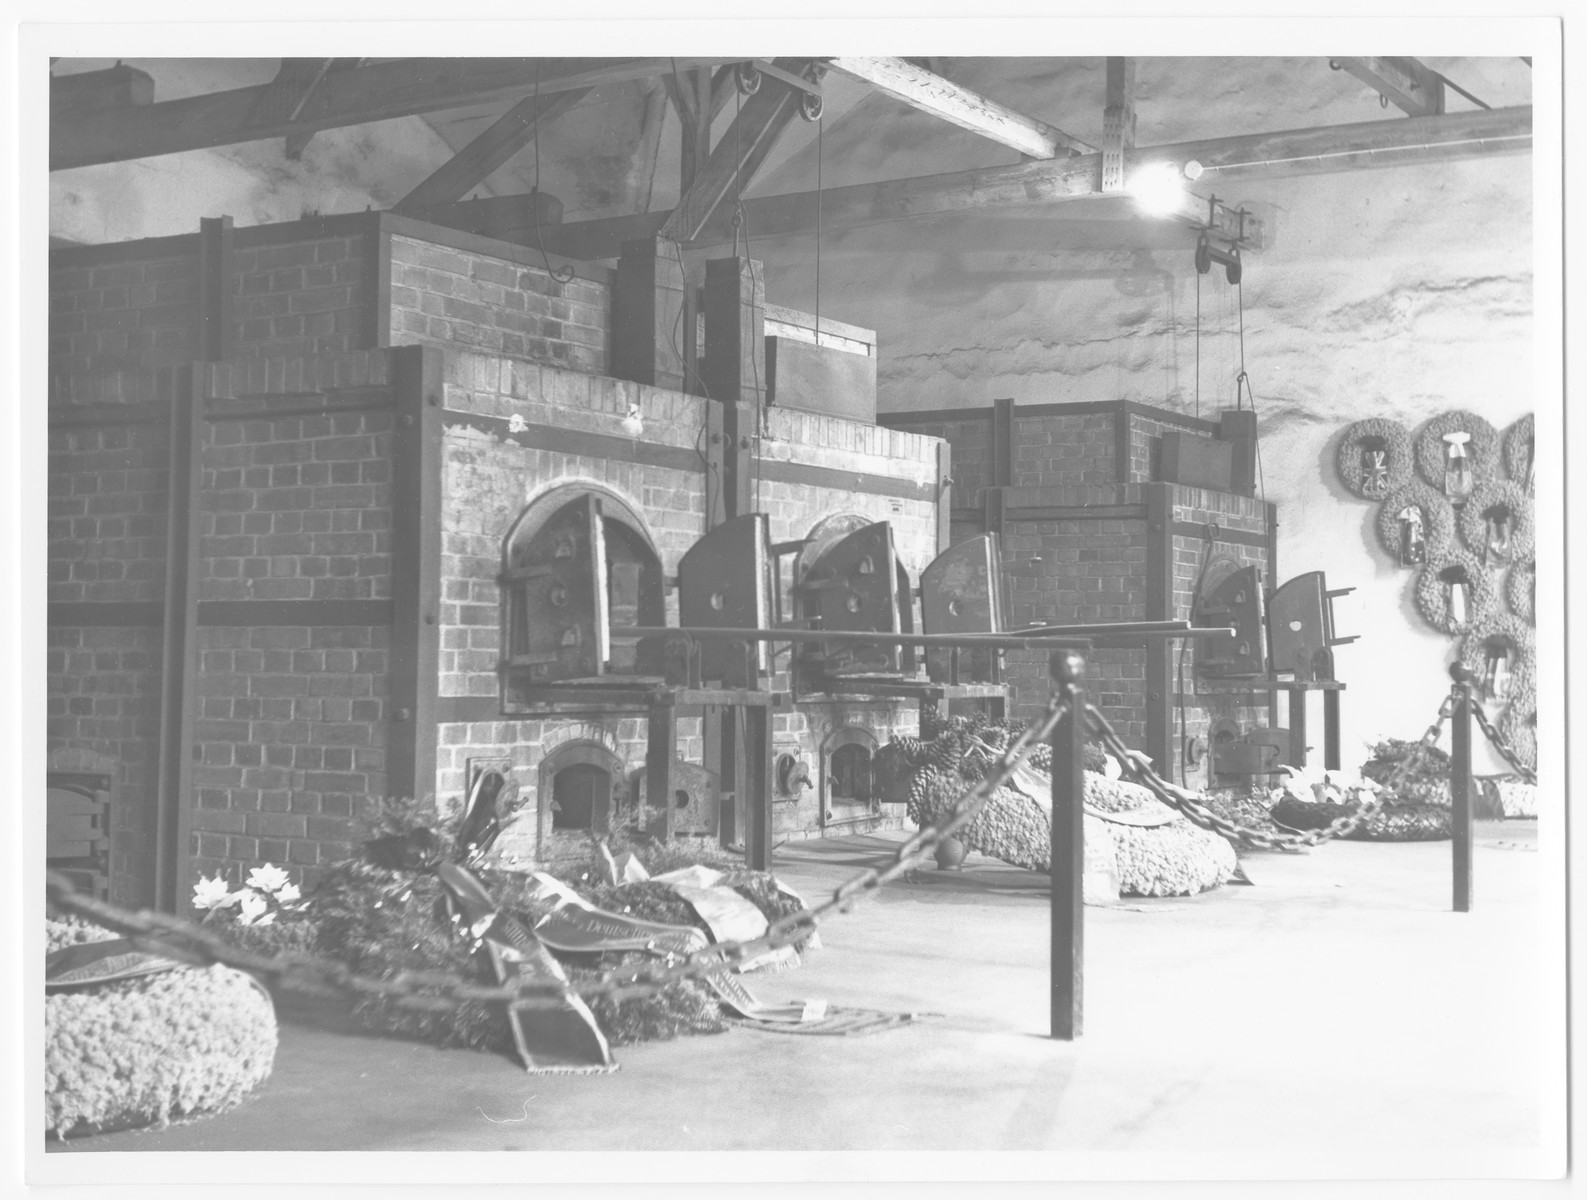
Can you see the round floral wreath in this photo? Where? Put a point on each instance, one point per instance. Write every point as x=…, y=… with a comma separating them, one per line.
x=1520, y=590
x=1483, y=447
x=1397, y=456
x=1438, y=519
x=1518, y=448
x=1518, y=726
x=1474, y=529
x=1473, y=654
x=1482, y=597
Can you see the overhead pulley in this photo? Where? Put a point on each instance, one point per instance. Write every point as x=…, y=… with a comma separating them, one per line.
x=1207, y=254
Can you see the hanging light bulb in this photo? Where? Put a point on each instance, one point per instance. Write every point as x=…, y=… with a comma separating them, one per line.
x=1158, y=188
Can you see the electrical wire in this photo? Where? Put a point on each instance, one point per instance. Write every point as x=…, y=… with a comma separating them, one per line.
x=821, y=122
x=1198, y=343
x=1184, y=644
x=560, y=274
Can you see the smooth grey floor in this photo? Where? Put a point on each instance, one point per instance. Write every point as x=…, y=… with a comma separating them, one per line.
x=1335, y=1013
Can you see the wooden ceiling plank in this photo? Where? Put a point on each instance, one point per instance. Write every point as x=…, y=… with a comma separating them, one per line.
x=1406, y=83
x=507, y=135
x=1288, y=152
x=948, y=101
x=377, y=92
x=739, y=152
x=288, y=93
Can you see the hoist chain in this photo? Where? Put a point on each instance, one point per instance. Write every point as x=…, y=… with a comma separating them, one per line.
x=430, y=990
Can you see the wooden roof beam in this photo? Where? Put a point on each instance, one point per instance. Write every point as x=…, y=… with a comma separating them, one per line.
x=740, y=151
x=89, y=92
x=946, y=100
x=376, y=92
x=1415, y=89
x=507, y=135
x=1289, y=152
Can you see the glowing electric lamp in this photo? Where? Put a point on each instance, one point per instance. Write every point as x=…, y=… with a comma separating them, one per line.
x=1158, y=188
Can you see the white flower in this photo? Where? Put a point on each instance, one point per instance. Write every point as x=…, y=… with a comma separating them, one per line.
x=212, y=893
x=252, y=908
x=516, y=423
x=268, y=878
x=287, y=893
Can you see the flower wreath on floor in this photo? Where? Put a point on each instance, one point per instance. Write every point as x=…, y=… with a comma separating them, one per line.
x=133, y=1039
x=1520, y=590
x=1513, y=629
x=1493, y=493
x=1519, y=449
x=1397, y=458
x=1432, y=595
x=1482, y=449
x=1438, y=519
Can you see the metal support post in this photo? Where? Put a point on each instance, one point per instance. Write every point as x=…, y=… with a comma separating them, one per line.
x=1068, y=850
x=1460, y=784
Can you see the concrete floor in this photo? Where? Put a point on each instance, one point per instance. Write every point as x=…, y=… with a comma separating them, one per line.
x=1336, y=1017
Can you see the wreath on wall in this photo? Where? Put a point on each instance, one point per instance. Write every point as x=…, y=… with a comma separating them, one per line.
x=1520, y=591
x=1509, y=628
x=1432, y=592
x=1392, y=471
x=1519, y=448
x=1482, y=448
x=1491, y=494
x=1518, y=727
x=1438, y=520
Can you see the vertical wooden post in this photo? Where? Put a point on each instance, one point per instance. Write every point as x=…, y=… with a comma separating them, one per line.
x=1160, y=607
x=1068, y=851
x=415, y=657
x=1460, y=785
x=179, y=646
x=377, y=251
x=1002, y=443
x=661, y=749
x=735, y=369
x=944, y=496
x=758, y=786
x=214, y=288
x=1332, y=758
x=1297, y=727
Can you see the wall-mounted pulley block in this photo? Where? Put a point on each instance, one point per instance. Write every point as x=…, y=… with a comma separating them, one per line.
x=1229, y=257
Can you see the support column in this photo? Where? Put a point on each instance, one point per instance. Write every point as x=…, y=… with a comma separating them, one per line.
x=1460, y=786
x=1067, y=867
x=1160, y=607
x=1332, y=759
x=661, y=750
x=214, y=288
x=179, y=646
x=650, y=337
x=735, y=331
x=758, y=787
x=1297, y=727
x=415, y=572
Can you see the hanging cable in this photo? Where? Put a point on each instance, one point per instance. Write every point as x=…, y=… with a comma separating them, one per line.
x=1184, y=644
x=820, y=129
x=560, y=274
x=1243, y=378
x=741, y=221
x=1198, y=344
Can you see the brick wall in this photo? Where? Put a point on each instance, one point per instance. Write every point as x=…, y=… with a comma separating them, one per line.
x=297, y=508
x=465, y=299
x=122, y=312
x=301, y=298
x=105, y=532
x=1066, y=450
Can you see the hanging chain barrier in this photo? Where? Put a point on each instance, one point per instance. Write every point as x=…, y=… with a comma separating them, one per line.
x=1419, y=751
x=1502, y=744
x=1189, y=805
x=190, y=942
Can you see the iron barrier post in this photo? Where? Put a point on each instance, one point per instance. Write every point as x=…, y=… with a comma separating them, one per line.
x=1460, y=783
x=1068, y=850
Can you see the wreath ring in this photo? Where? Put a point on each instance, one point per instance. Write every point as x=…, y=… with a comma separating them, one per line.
x=1483, y=447
x=1506, y=492
x=1398, y=456
x=1519, y=448
x=1520, y=590
x=1473, y=655
x=1438, y=519
x=1482, y=597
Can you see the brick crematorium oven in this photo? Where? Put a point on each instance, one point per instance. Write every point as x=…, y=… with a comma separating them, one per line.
x=361, y=507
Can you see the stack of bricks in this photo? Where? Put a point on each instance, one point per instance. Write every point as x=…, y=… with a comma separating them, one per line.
x=301, y=298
